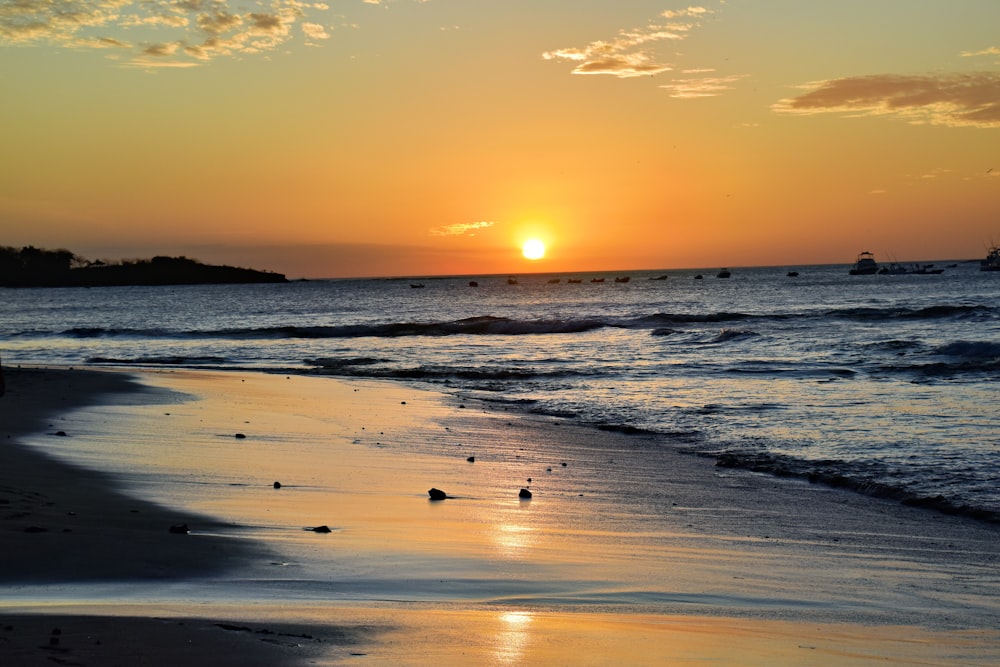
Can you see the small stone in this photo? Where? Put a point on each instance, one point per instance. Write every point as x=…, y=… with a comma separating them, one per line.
x=240, y=436
x=437, y=494
x=524, y=494
x=61, y=433
x=179, y=529
x=471, y=459
x=277, y=485
x=321, y=529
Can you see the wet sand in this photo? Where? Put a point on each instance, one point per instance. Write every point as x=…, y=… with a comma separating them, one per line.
x=614, y=560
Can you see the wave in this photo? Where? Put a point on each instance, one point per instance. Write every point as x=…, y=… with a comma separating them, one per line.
x=925, y=313
x=970, y=349
x=950, y=359
x=160, y=361
x=660, y=324
x=476, y=326
x=866, y=478
x=370, y=368
x=727, y=335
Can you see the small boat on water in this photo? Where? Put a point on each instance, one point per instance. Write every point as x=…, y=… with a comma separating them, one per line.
x=623, y=279
x=597, y=280
x=512, y=280
x=892, y=270
x=992, y=260
x=724, y=273
x=926, y=270
x=574, y=281
x=865, y=265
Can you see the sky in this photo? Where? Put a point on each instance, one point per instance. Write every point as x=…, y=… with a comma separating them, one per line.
x=336, y=138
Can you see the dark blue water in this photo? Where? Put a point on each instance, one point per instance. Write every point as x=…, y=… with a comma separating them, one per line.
x=885, y=384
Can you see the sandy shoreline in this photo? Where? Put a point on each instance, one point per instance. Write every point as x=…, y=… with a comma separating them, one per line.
x=747, y=569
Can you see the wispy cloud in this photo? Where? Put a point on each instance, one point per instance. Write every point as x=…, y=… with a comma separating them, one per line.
x=628, y=54
x=991, y=51
x=163, y=33
x=461, y=229
x=967, y=99
x=701, y=86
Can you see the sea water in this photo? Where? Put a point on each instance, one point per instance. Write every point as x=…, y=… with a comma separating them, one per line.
x=885, y=384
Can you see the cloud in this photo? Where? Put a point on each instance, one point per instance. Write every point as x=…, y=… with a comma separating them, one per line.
x=183, y=32
x=701, y=86
x=314, y=31
x=969, y=99
x=628, y=55
x=461, y=229
x=991, y=51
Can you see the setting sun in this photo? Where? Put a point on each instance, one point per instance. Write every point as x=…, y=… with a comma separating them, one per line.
x=533, y=249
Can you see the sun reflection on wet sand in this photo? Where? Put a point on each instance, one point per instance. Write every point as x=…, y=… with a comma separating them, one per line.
x=513, y=638
x=512, y=540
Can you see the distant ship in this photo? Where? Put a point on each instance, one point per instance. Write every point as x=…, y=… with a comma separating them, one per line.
x=865, y=266
x=724, y=273
x=992, y=261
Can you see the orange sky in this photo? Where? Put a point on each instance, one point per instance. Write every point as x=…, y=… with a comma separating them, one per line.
x=432, y=137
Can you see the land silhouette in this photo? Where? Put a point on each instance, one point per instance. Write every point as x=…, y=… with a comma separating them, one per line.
x=35, y=267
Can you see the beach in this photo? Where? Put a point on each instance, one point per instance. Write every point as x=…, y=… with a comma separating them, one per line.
x=627, y=552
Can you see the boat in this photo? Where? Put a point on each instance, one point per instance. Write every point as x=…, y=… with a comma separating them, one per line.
x=926, y=270
x=554, y=281
x=792, y=274
x=597, y=280
x=992, y=261
x=663, y=277
x=623, y=279
x=893, y=269
x=512, y=280
x=416, y=285
x=865, y=265
x=574, y=281
x=724, y=273
x=473, y=283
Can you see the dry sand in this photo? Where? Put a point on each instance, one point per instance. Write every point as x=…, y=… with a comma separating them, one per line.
x=757, y=571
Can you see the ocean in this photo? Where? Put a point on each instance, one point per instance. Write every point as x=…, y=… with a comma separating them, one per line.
x=885, y=384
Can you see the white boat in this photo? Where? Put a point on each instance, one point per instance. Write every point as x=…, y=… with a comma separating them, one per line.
x=865, y=266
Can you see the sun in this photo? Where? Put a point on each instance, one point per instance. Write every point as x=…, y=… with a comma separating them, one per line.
x=533, y=249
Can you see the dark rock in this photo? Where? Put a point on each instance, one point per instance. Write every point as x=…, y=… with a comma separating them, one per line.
x=471, y=459
x=61, y=433
x=437, y=494
x=240, y=436
x=524, y=494
x=277, y=485
x=321, y=529
x=179, y=529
